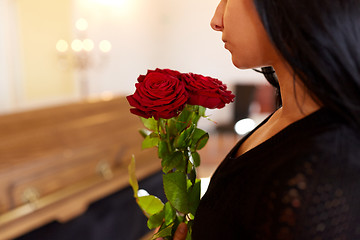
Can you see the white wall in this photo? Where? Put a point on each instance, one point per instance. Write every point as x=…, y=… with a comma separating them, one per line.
x=133, y=29
x=191, y=45
x=9, y=52
x=5, y=86
x=13, y=56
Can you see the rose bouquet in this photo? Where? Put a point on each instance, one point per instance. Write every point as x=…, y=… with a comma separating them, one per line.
x=170, y=105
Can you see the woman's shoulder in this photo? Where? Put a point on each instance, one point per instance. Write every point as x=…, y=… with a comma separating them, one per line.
x=303, y=183
x=321, y=136
x=333, y=140
x=314, y=193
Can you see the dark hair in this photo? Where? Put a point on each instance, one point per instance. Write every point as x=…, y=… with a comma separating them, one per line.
x=320, y=40
x=270, y=75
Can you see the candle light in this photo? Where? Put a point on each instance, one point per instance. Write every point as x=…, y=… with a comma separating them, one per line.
x=81, y=24
x=62, y=46
x=115, y=3
x=88, y=45
x=77, y=45
x=105, y=46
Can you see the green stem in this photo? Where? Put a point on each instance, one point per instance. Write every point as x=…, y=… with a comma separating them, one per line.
x=159, y=127
x=168, y=134
x=187, y=161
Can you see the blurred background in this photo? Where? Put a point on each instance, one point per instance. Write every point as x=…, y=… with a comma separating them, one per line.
x=54, y=53
x=42, y=65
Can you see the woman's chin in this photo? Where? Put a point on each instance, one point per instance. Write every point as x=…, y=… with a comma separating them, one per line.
x=243, y=65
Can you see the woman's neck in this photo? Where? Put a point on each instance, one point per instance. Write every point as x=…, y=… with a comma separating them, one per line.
x=296, y=104
x=296, y=100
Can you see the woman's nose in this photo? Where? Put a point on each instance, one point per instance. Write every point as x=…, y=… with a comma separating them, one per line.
x=217, y=20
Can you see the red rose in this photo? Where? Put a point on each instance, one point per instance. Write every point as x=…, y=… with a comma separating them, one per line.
x=159, y=94
x=166, y=71
x=206, y=91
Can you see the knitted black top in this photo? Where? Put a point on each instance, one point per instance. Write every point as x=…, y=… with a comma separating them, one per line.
x=302, y=183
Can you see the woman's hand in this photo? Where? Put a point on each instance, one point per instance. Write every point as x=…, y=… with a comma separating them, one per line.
x=180, y=233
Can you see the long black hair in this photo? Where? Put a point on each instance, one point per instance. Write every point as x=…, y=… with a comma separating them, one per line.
x=320, y=40
x=271, y=77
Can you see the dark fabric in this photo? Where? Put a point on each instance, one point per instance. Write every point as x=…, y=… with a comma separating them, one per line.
x=116, y=217
x=303, y=183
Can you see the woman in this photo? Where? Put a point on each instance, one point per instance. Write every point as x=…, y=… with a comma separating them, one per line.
x=297, y=175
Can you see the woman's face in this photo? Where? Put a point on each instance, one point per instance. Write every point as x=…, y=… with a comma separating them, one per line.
x=243, y=34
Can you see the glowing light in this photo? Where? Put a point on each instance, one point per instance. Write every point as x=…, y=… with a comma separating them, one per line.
x=88, y=45
x=81, y=24
x=244, y=126
x=117, y=3
x=105, y=46
x=62, y=46
x=77, y=45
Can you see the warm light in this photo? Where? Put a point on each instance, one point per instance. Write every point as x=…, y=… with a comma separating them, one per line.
x=62, y=46
x=244, y=126
x=81, y=24
x=107, y=95
x=110, y=2
x=88, y=45
x=77, y=45
x=105, y=46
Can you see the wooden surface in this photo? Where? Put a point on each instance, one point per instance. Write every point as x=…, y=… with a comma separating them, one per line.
x=54, y=162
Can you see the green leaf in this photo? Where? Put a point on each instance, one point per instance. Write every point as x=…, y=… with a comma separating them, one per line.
x=163, y=150
x=198, y=133
x=202, y=141
x=166, y=232
x=194, y=196
x=132, y=177
x=156, y=220
x=199, y=139
x=171, y=127
x=183, y=120
x=196, y=159
x=150, y=123
x=170, y=162
x=196, y=119
x=176, y=191
x=182, y=165
x=150, y=141
x=182, y=140
x=170, y=213
x=202, y=111
x=150, y=204
x=144, y=132
x=192, y=175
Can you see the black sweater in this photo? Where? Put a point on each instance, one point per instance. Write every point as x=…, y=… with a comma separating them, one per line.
x=302, y=183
